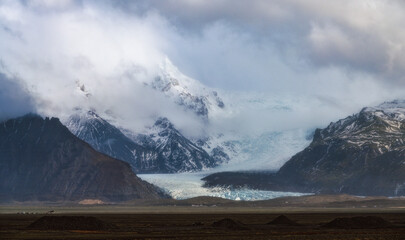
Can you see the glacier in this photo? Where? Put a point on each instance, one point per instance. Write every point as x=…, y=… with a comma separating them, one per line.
x=269, y=150
x=188, y=185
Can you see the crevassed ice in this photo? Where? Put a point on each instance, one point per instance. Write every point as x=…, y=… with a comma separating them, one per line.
x=189, y=185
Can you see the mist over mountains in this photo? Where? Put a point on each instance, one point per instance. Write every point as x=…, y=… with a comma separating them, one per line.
x=75, y=53
x=241, y=130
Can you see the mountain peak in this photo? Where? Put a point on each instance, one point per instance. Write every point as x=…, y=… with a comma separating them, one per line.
x=397, y=103
x=28, y=116
x=163, y=123
x=91, y=114
x=169, y=68
x=186, y=91
x=395, y=108
x=26, y=122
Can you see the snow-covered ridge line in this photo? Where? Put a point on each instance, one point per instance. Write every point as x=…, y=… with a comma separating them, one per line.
x=382, y=126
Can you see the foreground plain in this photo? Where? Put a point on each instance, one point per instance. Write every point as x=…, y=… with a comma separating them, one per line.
x=200, y=225
x=200, y=218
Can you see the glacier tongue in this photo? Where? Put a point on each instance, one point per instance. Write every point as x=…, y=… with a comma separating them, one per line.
x=188, y=185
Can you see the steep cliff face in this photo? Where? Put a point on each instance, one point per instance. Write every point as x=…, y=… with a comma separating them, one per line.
x=363, y=154
x=40, y=159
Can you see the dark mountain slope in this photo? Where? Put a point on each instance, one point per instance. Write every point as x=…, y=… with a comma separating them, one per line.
x=40, y=159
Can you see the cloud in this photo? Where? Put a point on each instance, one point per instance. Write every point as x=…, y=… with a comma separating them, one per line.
x=365, y=35
x=321, y=60
x=51, y=4
x=14, y=101
x=90, y=57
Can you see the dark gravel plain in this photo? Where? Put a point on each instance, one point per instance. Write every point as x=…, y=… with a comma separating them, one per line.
x=310, y=225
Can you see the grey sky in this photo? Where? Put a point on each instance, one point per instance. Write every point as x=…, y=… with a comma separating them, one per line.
x=361, y=36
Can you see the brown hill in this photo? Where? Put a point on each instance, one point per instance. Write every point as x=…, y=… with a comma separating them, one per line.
x=283, y=220
x=230, y=224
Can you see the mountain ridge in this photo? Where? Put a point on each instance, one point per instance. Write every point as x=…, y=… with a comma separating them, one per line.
x=163, y=150
x=362, y=154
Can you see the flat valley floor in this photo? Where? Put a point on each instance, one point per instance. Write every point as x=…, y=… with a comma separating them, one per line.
x=202, y=223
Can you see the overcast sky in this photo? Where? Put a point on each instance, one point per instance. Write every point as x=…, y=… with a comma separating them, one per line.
x=341, y=55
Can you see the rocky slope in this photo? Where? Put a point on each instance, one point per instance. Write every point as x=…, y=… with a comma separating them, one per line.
x=363, y=154
x=163, y=150
x=108, y=139
x=40, y=159
x=175, y=152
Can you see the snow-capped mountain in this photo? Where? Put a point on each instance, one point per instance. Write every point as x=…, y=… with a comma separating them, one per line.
x=267, y=149
x=380, y=126
x=186, y=91
x=363, y=154
x=160, y=148
x=109, y=140
x=175, y=152
x=163, y=150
